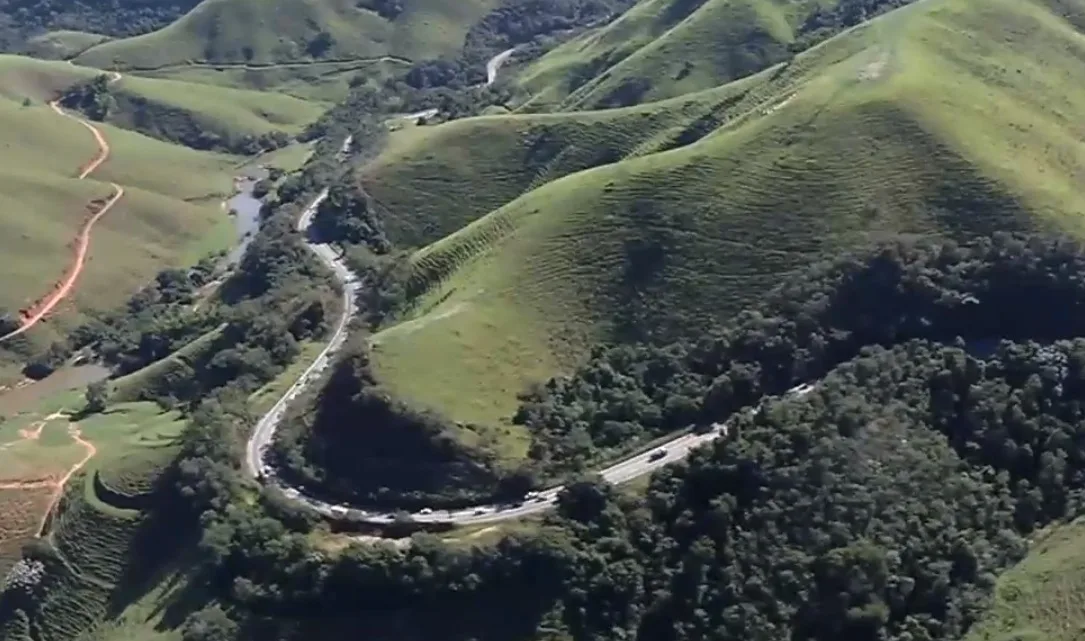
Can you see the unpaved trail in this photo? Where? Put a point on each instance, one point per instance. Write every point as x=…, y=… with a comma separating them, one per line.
x=39, y=310
x=103, y=145
x=58, y=491
x=33, y=432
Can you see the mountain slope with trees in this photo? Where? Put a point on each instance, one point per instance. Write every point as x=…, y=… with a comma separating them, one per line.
x=871, y=134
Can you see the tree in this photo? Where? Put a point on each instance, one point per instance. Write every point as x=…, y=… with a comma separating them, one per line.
x=210, y=624
x=97, y=395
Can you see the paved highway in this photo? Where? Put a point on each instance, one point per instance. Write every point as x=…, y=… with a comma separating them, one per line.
x=633, y=467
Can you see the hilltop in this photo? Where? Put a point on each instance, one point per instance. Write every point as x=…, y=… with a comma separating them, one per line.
x=259, y=33
x=433, y=180
x=873, y=133
x=664, y=48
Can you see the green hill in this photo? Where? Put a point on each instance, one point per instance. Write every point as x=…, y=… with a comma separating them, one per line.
x=434, y=180
x=249, y=31
x=61, y=45
x=1040, y=597
x=948, y=117
x=170, y=215
x=664, y=48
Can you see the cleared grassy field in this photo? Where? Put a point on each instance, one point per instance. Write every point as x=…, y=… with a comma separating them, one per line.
x=63, y=44
x=319, y=81
x=662, y=48
x=171, y=209
x=948, y=117
x=133, y=443
x=250, y=31
x=225, y=109
x=1043, y=596
x=220, y=109
x=433, y=180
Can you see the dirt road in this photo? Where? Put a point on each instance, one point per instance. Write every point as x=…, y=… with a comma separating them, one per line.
x=33, y=315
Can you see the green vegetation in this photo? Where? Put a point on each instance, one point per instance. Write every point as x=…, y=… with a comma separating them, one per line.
x=433, y=180
x=871, y=134
x=62, y=45
x=762, y=534
x=244, y=31
x=318, y=81
x=664, y=48
x=198, y=116
x=1039, y=598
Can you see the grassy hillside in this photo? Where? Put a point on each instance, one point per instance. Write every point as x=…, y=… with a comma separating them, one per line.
x=172, y=203
x=433, y=180
x=321, y=81
x=664, y=48
x=948, y=117
x=64, y=44
x=248, y=31
x=143, y=102
x=1042, y=596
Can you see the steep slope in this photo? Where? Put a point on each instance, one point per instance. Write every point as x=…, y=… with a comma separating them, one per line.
x=248, y=31
x=947, y=117
x=663, y=48
x=431, y=181
x=155, y=105
x=170, y=215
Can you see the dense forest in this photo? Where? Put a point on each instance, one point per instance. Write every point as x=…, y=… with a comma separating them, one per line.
x=362, y=445
x=880, y=506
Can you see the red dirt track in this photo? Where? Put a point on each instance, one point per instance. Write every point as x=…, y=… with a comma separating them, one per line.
x=34, y=314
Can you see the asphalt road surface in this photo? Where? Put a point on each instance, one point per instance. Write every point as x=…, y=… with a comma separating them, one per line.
x=631, y=468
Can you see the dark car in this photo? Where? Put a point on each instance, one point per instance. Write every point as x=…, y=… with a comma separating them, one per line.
x=656, y=455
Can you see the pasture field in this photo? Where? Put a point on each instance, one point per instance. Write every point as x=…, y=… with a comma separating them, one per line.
x=261, y=33
x=1043, y=596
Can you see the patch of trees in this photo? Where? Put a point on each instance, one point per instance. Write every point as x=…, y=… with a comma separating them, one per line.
x=362, y=445
x=824, y=23
x=518, y=22
x=882, y=506
x=1002, y=287
x=156, y=321
x=349, y=215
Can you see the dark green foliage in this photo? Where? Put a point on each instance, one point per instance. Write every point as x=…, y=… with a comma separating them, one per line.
x=209, y=624
x=880, y=506
x=348, y=215
x=1005, y=287
x=823, y=24
x=97, y=395
x=364, y=446
x=92, y=98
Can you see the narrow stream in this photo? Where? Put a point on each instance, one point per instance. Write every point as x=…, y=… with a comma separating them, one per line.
x=246, y=215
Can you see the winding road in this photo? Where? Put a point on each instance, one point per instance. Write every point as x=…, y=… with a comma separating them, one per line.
x=628, y=469
x=38, y=311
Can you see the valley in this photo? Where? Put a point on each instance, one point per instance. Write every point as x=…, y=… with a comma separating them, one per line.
x=630, y=319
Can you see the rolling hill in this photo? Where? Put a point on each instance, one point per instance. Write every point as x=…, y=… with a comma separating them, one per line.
x=171, y=213
x=432, y=180
x=261, y=33
x=664, y=48
x=948, y=117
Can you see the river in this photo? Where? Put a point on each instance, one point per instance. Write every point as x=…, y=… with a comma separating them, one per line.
x=246, y=215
